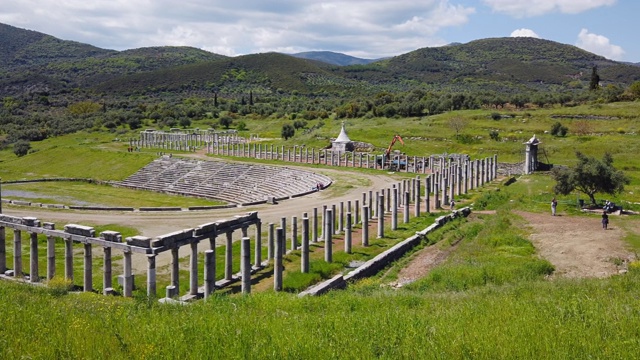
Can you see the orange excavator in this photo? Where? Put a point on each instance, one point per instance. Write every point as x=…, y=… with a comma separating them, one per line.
x=386, y=158
x=388, y=151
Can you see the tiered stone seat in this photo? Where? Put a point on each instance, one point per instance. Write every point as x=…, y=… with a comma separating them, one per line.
x=232, y=182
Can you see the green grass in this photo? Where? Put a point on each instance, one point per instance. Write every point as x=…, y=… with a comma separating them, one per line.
x=489, y=299
x=555, y=320
x=82, y=193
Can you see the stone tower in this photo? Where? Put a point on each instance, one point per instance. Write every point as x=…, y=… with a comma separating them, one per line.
x=531, y=155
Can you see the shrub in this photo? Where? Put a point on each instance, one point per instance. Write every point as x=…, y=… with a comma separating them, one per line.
x=558, y=129
x=494, y=135
x=21, y=148
x=59, y=286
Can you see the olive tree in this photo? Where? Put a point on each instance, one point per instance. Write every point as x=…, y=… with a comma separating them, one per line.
x=590, y=176
x=287, y=131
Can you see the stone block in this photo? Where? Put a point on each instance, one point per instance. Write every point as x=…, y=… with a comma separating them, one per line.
x=172, y=238
x=11, y=219
x=205, y=229
x=30, y=221
x=49, y=225
x=80, y=230
x=140, y=241
x=112, y=236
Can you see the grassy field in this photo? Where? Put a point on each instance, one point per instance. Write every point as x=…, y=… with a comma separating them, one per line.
x=489, y=300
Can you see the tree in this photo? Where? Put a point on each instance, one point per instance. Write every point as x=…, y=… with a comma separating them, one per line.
x=21, y=148
x=288, y=131
x=457, y=124
x=226, y=121
x=594, y=84
x=634, y=89
x=590, y=176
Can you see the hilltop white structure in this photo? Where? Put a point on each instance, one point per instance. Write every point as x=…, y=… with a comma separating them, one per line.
x=342, y=143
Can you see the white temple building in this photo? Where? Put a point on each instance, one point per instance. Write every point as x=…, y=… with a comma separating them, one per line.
x=342, y=142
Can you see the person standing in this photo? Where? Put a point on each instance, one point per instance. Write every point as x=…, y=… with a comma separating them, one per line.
x=605, y=220
x=554, y=205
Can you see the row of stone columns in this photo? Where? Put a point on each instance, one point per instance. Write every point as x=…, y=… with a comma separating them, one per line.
x=406, y=194
x=306, y=155
x=184, y=140
x=127, y=282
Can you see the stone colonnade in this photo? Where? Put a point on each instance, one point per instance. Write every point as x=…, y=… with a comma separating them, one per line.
x=382, y=206
x=145, y=246
x=304, y=155
x=185, y=140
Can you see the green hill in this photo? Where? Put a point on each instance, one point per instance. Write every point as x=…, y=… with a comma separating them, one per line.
x=517, y=61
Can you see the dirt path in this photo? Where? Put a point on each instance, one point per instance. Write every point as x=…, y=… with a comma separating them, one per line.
x=577, y=246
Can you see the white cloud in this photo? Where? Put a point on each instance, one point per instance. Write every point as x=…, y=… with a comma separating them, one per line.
x=599, y=44
x=365, y=28
x=528, y=8
x=524, y=33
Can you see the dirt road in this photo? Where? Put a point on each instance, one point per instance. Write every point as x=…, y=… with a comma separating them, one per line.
x=577, y=246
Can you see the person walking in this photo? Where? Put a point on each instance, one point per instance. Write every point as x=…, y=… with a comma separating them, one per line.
x=605, y=220
x=554, y=205
x=453, y=205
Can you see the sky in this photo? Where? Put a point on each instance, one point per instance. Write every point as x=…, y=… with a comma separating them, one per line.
x=363, y=28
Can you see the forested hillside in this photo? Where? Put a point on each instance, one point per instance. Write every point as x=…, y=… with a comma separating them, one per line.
x=50, y=86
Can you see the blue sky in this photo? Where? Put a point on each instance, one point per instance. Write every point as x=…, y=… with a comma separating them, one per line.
x=362, y=28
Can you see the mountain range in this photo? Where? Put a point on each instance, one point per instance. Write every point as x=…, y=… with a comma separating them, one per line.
x=34, y=62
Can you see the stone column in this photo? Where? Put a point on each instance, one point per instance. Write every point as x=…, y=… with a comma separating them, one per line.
x=341, y=218
x=427, y=194
x=323, y=220
x=258, y=248
x=271, y=241
x=34, y=276
x=451, y=190
x=193, y=269
x=107, y=271
x=445, y=186
x=68, y=259
x=228, y=257
x=51, y=251
x=294, y=233
x=151, y=276
x=3, y=248
x=304, y=265
x=388, y=198
x=380, y=216
x=175, y=269
x=128, y=277
x=405, y=213
x=209, y=272
x=418, y=202
x=334, y=221
x=370, y=204
x=394, y=208
x=17, y=253
x=365, y=226
x=356, y=218
x=277, y=265
x=283, y=225
x=347, y=235
x=328, y=241
x=88, y=264
x=245, y=265
x=314, y=226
